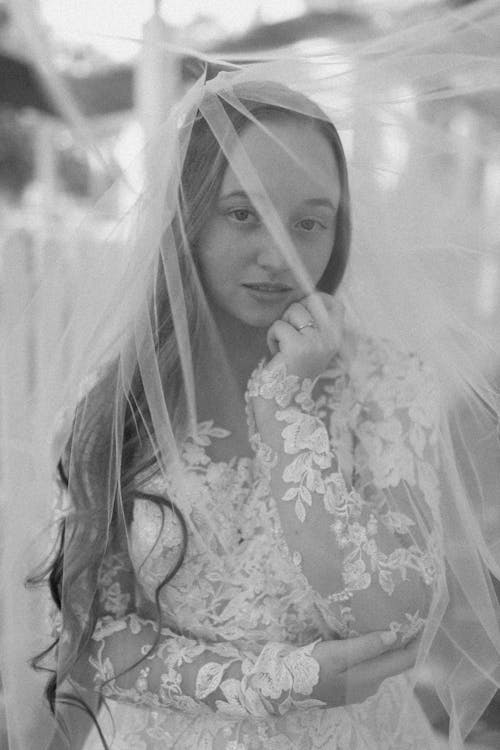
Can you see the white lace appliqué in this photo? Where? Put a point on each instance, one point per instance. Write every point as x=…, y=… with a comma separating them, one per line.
x=237, y=657
x=313, y=473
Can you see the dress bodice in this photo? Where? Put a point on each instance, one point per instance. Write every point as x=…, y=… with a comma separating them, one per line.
x=242, y=585
x=239, y=579
x=233, y=667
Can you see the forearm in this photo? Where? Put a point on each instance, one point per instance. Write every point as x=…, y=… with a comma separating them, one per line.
x=126, y=662
x=355, y=562
x=293, y=481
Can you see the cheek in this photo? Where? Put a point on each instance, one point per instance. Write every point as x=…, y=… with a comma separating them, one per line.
x=315, y=257
x=216, y=263
x=210, y=268
x=210, y=253
x=222, y=252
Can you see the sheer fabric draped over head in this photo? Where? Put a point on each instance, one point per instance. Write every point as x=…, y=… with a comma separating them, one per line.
x=142, y=372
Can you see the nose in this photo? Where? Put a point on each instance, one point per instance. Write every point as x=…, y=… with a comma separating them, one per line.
x=270, y=255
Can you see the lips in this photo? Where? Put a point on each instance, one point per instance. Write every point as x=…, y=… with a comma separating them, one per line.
x=269, y=287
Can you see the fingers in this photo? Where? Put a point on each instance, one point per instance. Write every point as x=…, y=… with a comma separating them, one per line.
x=348, y=653
x=321, y=309
x=277, y=333
x=298, y=316
x=351, y=670
x=388, y=664
x=363, y=680
x=326, y=311
x=307, y=345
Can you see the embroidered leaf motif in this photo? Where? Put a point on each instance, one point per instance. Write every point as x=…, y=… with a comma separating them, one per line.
x=333, y=503
x=417, y=439
x=292, y=437
x=218, y=432
x=231, y=709
x=297, y=559
x=106, y=627
x=398, y=522
x=290, y=494
x=305, y=495
x=295, y=470
x=300, y=511
x=314, y=481
x=304, y=669
x=254, y=703
x=386, y=581
x=231, y=690
x=208, y=679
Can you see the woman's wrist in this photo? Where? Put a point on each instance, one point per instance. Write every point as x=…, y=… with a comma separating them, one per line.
x=275, y=384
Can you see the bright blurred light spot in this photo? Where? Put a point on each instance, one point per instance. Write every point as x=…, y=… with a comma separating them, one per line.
x=232, y=15
x=115, y=27
x=92, y=21
x=488, y=284
x=395, y=148
x=316, y=46
x=492, y=193
x=462, y=124
x=272, y=11
x=128, y=148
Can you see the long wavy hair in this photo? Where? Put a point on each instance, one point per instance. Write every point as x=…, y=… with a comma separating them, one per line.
x=109, y=445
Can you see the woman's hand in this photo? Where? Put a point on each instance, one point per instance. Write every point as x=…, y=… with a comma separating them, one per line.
x=351, y=670
x=307, y=335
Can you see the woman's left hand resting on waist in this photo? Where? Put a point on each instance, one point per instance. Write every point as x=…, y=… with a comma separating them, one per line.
x=281, y=677
x=352, y=670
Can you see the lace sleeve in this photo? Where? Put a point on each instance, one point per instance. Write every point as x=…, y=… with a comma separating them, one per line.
x=132, y=658
x=355, y=512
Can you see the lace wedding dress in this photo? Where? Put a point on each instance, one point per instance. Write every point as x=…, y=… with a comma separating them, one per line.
x=234, y=668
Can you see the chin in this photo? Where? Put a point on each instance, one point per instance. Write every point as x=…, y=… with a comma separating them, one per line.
x=263, y=320
x=258, y=323
x=254, y=316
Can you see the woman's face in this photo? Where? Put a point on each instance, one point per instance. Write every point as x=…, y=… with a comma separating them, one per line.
x=242, y=268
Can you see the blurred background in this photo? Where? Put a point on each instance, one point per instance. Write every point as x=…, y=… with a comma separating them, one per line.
x=61, y=144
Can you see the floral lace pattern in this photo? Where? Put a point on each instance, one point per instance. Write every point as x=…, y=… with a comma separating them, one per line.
x=240, y=619
x=314, y=472
x=271, y=684
x=384, y=722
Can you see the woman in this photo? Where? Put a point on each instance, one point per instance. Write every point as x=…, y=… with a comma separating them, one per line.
x=280, y=530
x=251, y=486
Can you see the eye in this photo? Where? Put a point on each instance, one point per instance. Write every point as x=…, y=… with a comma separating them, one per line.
x=242, y=215
x=311, y=225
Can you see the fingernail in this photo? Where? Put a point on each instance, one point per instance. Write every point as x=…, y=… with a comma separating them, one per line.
x=388, y=637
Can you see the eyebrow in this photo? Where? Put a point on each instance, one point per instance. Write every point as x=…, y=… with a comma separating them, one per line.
x=313, y=202
x=236, y=194
x=320, y=203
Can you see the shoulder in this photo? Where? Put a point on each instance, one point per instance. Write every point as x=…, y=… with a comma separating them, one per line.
x=156, y=519
x=377, y=358
x=364, y=357
x=380, y=372
x=158, y=537
x=394, y=383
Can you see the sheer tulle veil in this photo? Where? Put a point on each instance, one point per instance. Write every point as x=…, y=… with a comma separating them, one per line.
x=130, y=339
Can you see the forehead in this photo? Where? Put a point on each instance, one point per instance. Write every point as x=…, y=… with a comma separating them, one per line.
x=292, y=159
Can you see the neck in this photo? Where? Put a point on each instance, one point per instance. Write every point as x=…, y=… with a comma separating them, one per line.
x=245, y=345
